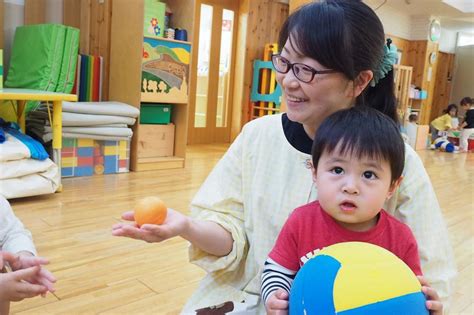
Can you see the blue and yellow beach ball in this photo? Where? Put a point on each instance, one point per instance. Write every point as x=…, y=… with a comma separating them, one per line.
x=356, y=278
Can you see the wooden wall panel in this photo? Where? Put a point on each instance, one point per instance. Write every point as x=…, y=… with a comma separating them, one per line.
x=294, y=4
x=402, y=45
x=100, y=19
x=72, y=13
x=264, y=20
x=93, y=18
x=443, y=84
x=126, y=58
x=418, y=57
x=1, y=25
x=35, y=11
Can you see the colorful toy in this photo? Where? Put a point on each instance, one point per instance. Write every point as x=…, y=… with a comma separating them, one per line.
x=150, y=210
x=356, y=278
x=444, y=145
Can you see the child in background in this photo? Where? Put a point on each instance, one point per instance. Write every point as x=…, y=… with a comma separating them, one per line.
x=444, y=122
x=467, y=126
x=27, y=277
x=358, y=159
x=411, y=129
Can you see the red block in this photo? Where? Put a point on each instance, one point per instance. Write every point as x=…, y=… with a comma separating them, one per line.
x=85, y=161
x=122, y=163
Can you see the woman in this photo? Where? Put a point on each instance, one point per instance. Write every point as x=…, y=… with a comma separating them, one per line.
x=332, y=58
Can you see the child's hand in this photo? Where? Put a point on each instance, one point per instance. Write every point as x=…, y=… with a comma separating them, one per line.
x=26, y=260
x=174, y=225
x=17, y=285
x=433, y=303
x=6, y=257
x=277, y=303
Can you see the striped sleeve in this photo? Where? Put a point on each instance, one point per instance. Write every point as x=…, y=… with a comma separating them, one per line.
x=274, y=277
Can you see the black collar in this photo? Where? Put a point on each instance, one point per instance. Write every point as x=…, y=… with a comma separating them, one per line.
x=296, y=136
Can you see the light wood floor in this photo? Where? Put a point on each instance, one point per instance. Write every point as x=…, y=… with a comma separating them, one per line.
x=99, y=273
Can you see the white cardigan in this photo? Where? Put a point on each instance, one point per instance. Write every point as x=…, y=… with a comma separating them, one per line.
x=13, y=235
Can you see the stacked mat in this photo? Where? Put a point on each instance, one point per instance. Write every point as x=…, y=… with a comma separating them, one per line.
x=89, y=120
x=25, y=167
x=96, y=136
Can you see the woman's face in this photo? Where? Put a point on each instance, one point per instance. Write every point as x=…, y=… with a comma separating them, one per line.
x=310, y=103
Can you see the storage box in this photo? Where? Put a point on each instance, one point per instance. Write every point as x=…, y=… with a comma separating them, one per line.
x=155, y=114
x=154, y=18
x=86, y=157
x=155, y=141
x=423, y=137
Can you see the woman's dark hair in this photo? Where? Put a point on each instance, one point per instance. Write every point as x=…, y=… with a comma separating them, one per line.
x=466, y=101
x=451, y=107
x=347, y=36
x=361, y=131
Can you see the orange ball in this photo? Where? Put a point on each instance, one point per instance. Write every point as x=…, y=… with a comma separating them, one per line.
x=150, y=210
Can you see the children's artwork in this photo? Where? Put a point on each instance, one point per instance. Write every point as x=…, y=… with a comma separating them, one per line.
x=154, y=18
x=165, y=71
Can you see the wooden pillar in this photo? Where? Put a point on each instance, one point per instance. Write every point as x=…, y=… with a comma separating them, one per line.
x=35, y=11
x=1, y=24
x=93, y=18
x=295, y=4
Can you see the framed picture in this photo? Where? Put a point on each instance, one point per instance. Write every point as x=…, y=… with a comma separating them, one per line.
x=165, y=71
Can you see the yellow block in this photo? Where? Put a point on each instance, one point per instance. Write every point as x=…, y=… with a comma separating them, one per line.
x=69, y=162
x=123, y=155
x=83, y=143
x=123, y=144
x=110, y=150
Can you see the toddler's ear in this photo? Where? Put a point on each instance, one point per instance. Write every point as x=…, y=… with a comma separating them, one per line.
x=313, y=170
x=394, y=187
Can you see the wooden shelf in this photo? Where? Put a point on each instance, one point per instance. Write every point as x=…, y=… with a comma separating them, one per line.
x=126, y=72
x=169, y=40
x=159, y=163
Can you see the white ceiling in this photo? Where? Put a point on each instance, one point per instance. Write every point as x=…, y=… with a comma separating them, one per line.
x=451, y=18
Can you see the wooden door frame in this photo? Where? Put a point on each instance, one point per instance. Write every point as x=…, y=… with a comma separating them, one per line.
x=212, y=134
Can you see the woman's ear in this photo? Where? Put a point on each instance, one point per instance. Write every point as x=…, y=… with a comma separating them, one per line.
x=394, y=187
x=361, y=82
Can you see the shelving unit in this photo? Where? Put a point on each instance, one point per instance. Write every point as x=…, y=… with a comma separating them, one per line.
x=126, y=78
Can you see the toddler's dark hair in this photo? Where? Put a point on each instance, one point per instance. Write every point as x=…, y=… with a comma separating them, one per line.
x=361, y=131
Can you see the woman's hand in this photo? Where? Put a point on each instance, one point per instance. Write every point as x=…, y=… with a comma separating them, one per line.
x=175, y=224
x=277, y=303
x=433, y=303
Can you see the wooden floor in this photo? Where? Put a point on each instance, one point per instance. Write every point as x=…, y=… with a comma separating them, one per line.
x=99, y=273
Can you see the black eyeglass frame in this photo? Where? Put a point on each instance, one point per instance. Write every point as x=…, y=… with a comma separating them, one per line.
x=292, y=65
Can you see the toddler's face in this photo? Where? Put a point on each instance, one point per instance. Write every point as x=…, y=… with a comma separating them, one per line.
x=353, y=190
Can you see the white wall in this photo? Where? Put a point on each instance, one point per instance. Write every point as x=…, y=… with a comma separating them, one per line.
x=447, y=41
x=395, y=22
x=12, y=17
x=463, y=81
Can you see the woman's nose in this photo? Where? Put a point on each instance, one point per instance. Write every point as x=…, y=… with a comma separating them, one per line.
x=289, y=79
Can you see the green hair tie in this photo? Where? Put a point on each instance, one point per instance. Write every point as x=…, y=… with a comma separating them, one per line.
x=390, y=55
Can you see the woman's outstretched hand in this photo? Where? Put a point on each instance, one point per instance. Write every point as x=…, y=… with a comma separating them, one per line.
x=174, y=225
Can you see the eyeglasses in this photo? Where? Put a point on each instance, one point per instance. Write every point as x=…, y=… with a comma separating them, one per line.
x=302, y=72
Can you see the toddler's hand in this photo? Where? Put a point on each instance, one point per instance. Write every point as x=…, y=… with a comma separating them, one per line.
x=433, y=303
x=277, y=303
